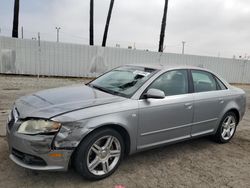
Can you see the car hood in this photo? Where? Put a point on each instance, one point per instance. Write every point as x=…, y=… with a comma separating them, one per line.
x=54, y=102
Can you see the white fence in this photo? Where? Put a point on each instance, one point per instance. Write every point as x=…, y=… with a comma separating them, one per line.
x=19, y=56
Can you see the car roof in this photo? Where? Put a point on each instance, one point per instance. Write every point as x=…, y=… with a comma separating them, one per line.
x=168, y=67
x=164, y=68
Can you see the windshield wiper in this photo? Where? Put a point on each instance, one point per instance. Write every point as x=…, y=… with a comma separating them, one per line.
x=105, y=90
x=128, y=84
x=99, y=88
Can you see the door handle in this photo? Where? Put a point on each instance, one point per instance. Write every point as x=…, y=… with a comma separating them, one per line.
x=188, y=106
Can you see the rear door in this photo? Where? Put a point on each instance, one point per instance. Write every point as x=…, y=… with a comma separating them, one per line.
x=209, y=102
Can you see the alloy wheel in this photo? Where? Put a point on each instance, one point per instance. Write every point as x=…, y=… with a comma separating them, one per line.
x=103, y=155
x=228, y=127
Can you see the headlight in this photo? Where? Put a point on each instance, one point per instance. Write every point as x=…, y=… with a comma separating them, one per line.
x=39, y=127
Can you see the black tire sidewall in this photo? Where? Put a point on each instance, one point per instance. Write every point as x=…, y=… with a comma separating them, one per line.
x=80, y=160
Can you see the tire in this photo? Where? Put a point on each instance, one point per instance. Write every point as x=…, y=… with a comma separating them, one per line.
x=99, y=154
x=227, y=128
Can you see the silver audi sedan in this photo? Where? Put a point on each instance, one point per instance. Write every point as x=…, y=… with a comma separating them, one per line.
x=126, y=110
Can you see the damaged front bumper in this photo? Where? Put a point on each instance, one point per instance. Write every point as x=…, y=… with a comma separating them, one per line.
x=36, y=152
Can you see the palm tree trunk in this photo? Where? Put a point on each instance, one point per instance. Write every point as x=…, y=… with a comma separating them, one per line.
x=107, y=23
x=15, y=19
x=91, y=23
x=163, y=27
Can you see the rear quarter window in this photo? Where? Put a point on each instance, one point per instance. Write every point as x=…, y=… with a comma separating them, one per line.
x=221, y=84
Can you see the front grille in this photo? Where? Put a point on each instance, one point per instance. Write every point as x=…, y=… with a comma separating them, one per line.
x=28, y=159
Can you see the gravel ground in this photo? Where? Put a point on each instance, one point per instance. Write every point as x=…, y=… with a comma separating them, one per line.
x=195, y=163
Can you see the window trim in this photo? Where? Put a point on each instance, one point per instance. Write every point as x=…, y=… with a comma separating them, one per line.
x=188, y=82
x=217, y=79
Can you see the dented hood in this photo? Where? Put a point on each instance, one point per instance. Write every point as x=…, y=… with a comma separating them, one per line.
x=54, y=102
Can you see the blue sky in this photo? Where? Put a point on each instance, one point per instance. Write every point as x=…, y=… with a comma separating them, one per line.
x=214, y=27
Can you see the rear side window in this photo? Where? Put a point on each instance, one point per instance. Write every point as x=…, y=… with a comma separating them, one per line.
x=203, y=81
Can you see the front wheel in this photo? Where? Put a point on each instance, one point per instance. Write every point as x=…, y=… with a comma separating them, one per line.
x=99, y=155
x=226, y=128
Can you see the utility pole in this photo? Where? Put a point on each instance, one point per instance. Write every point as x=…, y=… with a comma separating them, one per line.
x=134, y=46
x=39, y=54
x=218, y=54
x=22, y=32
x=57, y=31
x=39, y=39
x=183, y=47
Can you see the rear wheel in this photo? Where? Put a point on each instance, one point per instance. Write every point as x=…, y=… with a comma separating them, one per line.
x=227, y=128
x=99, y=155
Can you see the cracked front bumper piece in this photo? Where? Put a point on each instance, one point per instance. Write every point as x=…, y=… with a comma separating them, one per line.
x=35, y=152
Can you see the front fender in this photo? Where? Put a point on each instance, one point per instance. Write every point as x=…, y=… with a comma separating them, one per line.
x=72, y=133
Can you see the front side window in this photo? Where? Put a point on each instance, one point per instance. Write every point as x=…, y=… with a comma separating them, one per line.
x=123, y=81
x=172, y=82
x=203, y=81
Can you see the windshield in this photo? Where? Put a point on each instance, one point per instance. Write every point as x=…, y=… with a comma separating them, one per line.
x=123, y=81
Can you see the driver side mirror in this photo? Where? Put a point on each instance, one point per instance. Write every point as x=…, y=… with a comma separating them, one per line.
x=154, y=94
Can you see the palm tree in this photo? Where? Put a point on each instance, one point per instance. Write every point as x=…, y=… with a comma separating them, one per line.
x=91, y=23
x=163, y=27
x=107, y=23
x=15, y=19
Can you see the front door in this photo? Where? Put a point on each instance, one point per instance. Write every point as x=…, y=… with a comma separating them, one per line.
x=170, y=119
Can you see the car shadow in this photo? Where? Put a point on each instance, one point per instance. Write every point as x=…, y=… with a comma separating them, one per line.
x=132, y=162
